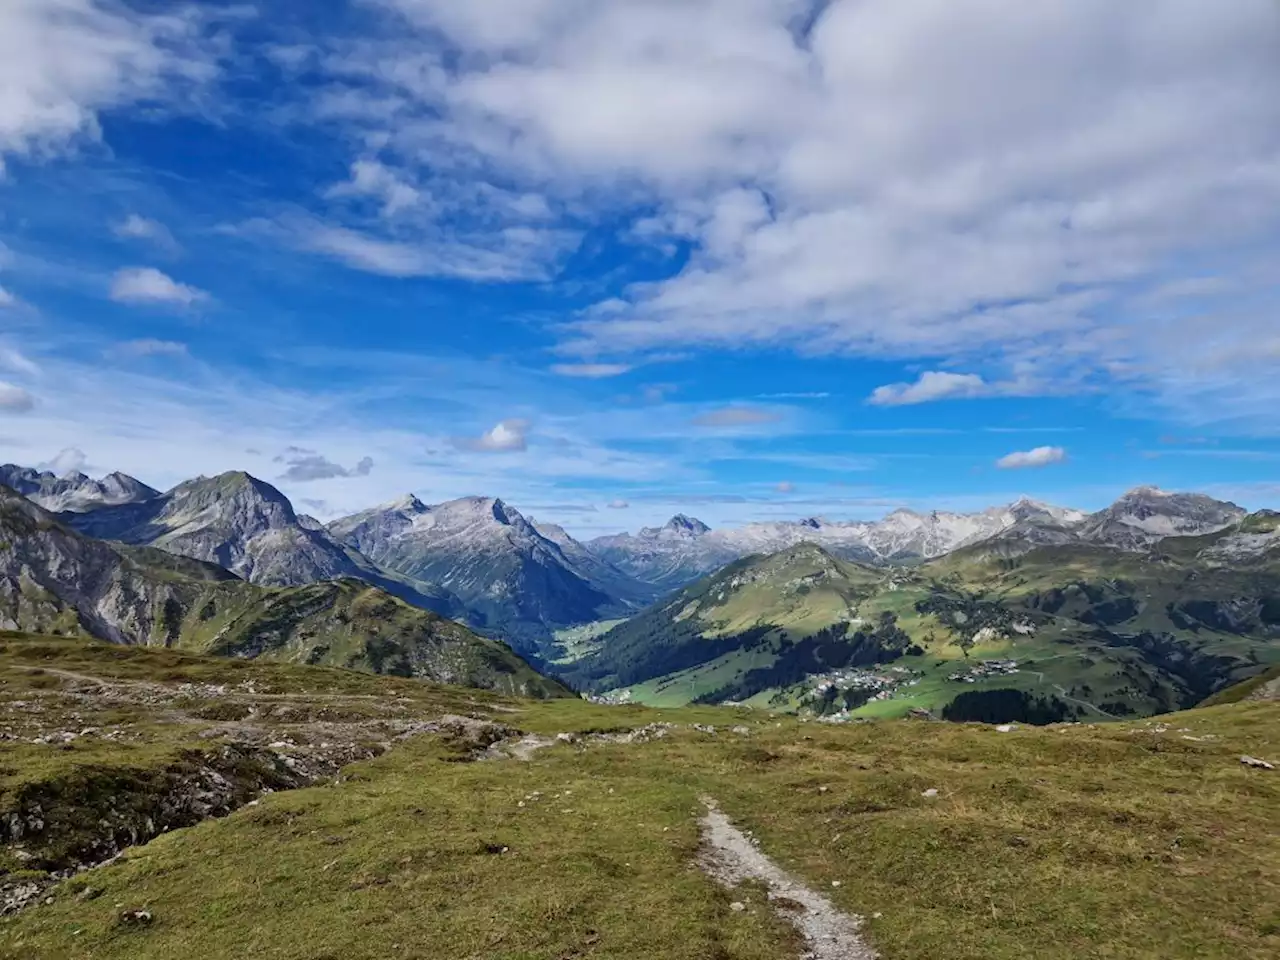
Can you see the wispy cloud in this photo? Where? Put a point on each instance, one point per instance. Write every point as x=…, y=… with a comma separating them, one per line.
x=736, y=417
x=149, y=348
x=136, y=227
x=591, y=371
x=15, y=361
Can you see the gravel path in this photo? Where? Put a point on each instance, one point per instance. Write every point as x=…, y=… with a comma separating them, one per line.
x=731, y=858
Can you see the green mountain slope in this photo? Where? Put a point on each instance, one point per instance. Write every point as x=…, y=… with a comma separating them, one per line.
x=773, y=620
x=54, y=580
x=1037, y=632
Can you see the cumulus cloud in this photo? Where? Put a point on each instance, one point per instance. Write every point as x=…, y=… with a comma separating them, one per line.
x=64, y=61
x=1030, y=459
x=149, y=286
x=736, y=417
x=507, y=437
x=591, y=371
x=846, y=176
x=14, y=399
x=305, y=466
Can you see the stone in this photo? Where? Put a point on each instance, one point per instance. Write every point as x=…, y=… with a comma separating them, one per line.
x=930, y=794
x=1256, y=763
x=737, y=906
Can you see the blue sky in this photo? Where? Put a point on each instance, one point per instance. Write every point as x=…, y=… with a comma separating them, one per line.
x=611, y=260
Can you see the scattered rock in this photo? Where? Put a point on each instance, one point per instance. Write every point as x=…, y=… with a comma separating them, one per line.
x=1256, y=763
x=930, y=794
x=135, y=918
x=737, y=906
x=1007, y=727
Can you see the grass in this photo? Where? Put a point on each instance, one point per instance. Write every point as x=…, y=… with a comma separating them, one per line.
x=1133, y=840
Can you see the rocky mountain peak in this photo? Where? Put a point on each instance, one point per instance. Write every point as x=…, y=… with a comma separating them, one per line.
x=686, y=526
x=407, y=504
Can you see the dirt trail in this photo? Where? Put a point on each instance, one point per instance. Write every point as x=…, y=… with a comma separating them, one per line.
x=730, y=857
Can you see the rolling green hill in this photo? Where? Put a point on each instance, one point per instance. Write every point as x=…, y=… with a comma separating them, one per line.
x=1046, y=632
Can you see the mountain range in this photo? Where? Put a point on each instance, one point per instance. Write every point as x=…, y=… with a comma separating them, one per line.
x=54, y=580
x=480, y=562
x=685, y=549
x=1082, y=629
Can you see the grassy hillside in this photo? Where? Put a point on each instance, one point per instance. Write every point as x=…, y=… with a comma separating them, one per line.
x=1129, y=840
x=1060, y=632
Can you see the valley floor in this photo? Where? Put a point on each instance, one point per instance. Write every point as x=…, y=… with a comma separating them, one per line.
x=1130, y=840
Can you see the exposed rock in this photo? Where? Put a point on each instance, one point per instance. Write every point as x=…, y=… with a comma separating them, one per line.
x=1256, y=763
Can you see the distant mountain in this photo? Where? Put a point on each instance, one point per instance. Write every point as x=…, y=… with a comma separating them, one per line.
x=74, y=492
x=1137, y=522
x=502, y=567
x=1147, y=515
x=55, y=580
x=685, y=549
x=667, y=557
x=250, y=528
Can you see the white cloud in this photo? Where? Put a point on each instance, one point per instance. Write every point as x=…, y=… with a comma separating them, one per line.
x=507, y=437
x=736, y=417
x=860, y=181
x=135, y=227
x=785, y=487
x=14, y=399
x=147, y=285
x=512, y=254
x=7, y=299
x=64, y=61
x=619, y=505
x=369, y=178
x=591, y=371
x=1029, y=459
x=932, y=385
x=150, y=348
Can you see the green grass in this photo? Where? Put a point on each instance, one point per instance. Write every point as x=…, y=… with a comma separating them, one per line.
x=1127, y=841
